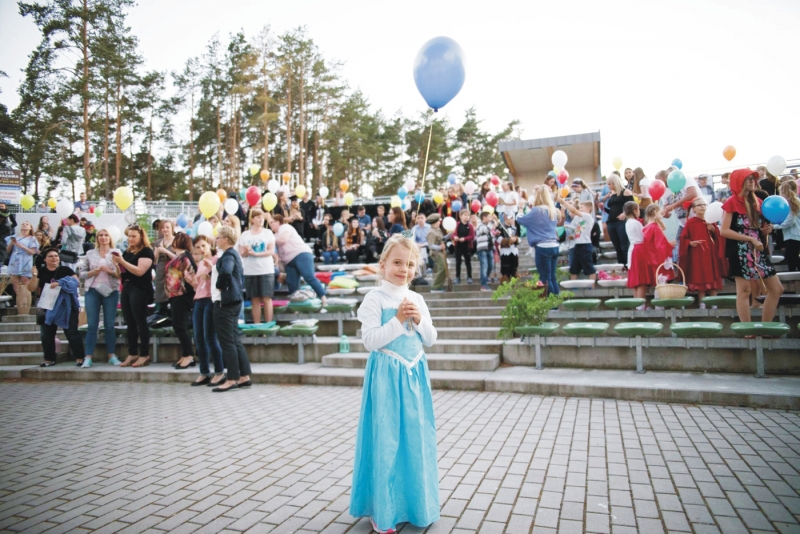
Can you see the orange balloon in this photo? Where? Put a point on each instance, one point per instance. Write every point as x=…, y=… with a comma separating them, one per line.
x=564, y=192
x=729, y=152
x=286, y=177
x=343, y=185
x=222, y=194
x=264, y=176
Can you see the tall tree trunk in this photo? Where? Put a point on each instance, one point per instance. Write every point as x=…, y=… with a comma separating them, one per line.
x=219, y=147
x=289, y=125
x=301, y=164
x=150, y=159
x=105, y=150
x=85, y=97
x=316, y=175
x=191, y=153
x=265, y=164
x=119, y=140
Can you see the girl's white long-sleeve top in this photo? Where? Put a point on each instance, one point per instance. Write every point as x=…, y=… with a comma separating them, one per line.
x=376, y=336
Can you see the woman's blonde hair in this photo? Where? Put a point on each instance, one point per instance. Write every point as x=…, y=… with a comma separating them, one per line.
x=110, y=239
x=614, y=183
x=789, y=192
x=31, y=232
x=236, y=224
x=543, y=197
x=228, y=233
x=399, y=240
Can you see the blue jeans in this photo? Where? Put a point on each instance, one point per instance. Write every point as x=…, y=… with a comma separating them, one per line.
x=303, y=265
x=486, y=260
x=546, y=264
x=205, y=337
x=330, y=256
x=93, y=302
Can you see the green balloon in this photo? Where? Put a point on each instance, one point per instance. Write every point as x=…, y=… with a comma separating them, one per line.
x=560, y=230
x=676, y=181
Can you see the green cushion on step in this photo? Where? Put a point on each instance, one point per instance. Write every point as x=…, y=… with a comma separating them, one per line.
x=280, y=309
x=298, y=330
x=638, y=329
x=544, y=329
x=699, y=329
x=624, y=303
x=721, y=301
x=160, y=332
x=340, y=308
x=261, y=331
x=581, y=304
x=760, y=329
x=307, y=306
x=533, y=270
x=673, y=303
x=585, y=329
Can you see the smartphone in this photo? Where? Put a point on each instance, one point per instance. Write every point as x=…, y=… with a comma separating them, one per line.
x=115, y=253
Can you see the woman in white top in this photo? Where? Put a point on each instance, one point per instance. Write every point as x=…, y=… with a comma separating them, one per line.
x=507, y=201
x=257, y=246
x=101, y=284
x=640, y=188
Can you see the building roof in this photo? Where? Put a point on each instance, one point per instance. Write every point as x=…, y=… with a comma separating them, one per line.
x=530, y=159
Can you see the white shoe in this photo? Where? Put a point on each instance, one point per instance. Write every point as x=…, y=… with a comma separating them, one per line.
x=702, y=305
x=87, y=362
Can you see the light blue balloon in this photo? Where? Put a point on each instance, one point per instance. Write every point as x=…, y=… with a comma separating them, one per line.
x=338, y=229
x=677, y=163
x=676, y=181
x=402, y=192
x=182, y=220
x=439, y=71
x=775, y=209
x=451, y=179
x=456, y=205
x=243, y=193
x=552, y=174
x=419, y=196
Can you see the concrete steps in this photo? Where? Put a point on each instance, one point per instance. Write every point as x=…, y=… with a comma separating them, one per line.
x=23, y=358
x=436, y=362
x=18, y=327
x=20, y=346
x=465, y=311
x=330, y=345
x=473, y=332
x=466, y=322
x=29, y=318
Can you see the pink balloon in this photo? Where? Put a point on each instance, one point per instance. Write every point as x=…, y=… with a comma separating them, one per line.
x=491, y=198
x=495, y=180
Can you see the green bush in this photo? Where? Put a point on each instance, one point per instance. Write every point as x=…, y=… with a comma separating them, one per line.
x=525, y=306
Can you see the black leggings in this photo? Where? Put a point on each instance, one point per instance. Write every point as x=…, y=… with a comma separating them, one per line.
x=463, y=252
x=182, y=321
x=134, y=311
x=792, y=251
x=619, y=238
x=48, y=334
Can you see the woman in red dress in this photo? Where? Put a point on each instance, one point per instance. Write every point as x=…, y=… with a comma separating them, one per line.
x=701, y=253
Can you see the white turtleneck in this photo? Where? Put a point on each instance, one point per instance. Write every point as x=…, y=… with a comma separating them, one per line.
x=376, y=336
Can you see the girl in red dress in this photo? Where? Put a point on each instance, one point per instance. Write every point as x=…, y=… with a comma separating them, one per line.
x=647, y=255
x=701, y=253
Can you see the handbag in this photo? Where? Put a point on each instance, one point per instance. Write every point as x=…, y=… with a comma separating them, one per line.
x=40, y=316
x=67, y=256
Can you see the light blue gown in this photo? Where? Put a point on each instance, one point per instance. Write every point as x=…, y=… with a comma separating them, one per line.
x=395, y=474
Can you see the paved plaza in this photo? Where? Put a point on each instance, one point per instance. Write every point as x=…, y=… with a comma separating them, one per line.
x=139, y=457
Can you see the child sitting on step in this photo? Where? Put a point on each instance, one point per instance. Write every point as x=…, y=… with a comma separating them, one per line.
x=395, y=475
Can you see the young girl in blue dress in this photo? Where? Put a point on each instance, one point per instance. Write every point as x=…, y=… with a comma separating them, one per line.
x=395, y=475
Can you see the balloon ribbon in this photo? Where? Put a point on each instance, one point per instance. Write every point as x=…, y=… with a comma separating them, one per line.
x=410, y=233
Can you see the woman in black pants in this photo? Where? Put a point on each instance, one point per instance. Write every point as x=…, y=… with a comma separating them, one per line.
x=227, y=281
x=181, y=296
x=136, y=266
x=616, y=218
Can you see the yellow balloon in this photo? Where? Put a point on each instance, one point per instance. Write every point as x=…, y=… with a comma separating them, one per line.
x=27, y=202
x=123, y=197
x=52, y=203
x=286, y=177
x=437, y=197
x=209, y=204
x=617, y=163
x=300, y=191
x=215, y=231
x=349, y=198
x=253, y=169
x=564, y=192
x=488, y=209
x=396, y=202
x=556, y=170
x=270, y=201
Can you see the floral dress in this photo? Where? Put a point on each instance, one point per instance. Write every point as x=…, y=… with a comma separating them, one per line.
x=744, y=260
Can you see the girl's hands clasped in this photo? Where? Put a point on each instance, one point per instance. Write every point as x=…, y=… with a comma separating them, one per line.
x=408, y=310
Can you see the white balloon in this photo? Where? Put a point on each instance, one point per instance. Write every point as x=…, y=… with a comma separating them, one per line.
x=285, y=189
x=64, y=208
x=205, y=229
x=323, y=192
x=470, y=187
x=776, y=165
x=449, y=224
x=231, y=206
x=410, y=184
x=273, y=186
x=559, y=159
x=407, y=203
x=115, y=233
x=714, y=212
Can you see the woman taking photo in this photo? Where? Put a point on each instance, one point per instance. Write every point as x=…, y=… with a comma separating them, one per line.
x=205, y=336
x=163, y=254
x=21, y=251
x=227, y=283
x=296, y=256
x=616, y=218
x=748, y=258
x=54, y=275
x=181, y=296
x=354, y=241
x=137, y=292
x=256, y=247
x=541, y=224
x=101, y=287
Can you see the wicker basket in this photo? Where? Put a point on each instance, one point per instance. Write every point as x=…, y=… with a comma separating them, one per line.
x=671, y=291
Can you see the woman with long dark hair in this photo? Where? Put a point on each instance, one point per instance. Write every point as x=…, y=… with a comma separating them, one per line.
x=397, y=221
x=181, y=296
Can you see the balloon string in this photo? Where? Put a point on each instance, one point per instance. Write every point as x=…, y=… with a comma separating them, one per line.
x=422, y=186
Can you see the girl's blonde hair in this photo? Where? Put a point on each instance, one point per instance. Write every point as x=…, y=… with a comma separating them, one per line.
x=543, y=197
x=789, y=192
x=399, y=240
x=614, y=183
x=651, y=214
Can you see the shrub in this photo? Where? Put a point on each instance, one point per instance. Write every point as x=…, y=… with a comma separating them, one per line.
x=526, y=306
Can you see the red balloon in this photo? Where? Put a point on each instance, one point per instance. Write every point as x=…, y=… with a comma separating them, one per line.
x=91, y=209
x=253, y=195
x=687, y=205
x=656, y=189
x=495, y=180
x=491, y=198
x=563, y=176
x=476, y=205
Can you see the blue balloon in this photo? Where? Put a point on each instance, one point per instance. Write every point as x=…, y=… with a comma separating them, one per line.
x=402, y=192
x=451, y=179
x=775, y=209
x=338, y=229
x=456, y=205
x=552, y=174
x=243, y=193
x=419, y=196
x=439, y=71
x=182, y=220
x=677, y=163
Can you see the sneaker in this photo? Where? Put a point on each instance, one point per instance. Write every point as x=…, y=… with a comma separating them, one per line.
x=469, y=281
x=702, y=306
x=457, y=281
x=87, y=362
x=113, y=360
x=486, y=288
x=438, y=290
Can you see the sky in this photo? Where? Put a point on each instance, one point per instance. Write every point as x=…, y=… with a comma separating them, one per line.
x=678, y=79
